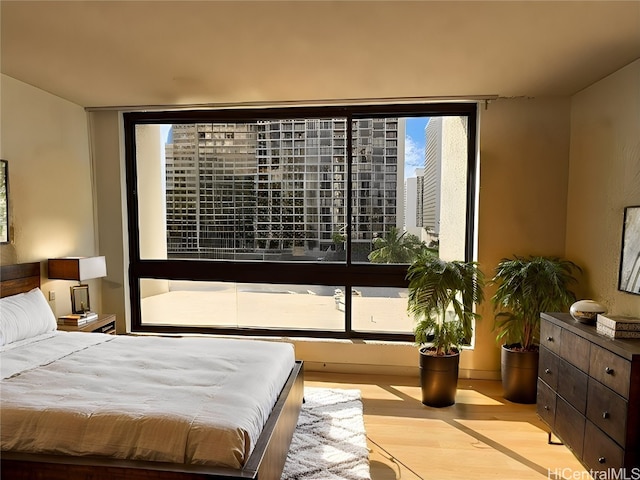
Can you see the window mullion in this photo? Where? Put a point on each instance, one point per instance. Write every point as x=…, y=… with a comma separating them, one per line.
x=348, y=182
x=349, y=226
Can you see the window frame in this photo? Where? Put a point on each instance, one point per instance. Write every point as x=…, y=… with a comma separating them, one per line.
x=348, y=274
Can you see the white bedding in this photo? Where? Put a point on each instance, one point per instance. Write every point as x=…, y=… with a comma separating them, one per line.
x=179, y=400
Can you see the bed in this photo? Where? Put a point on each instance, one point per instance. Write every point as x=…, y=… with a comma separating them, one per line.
x=96, y=406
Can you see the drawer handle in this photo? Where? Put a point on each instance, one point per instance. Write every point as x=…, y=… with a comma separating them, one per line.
x=546, y=407
x=549, y=339
x=602, y=460
x=608, y=370
x=605, y=415
x=547, y=371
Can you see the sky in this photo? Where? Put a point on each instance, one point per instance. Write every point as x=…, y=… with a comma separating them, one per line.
x=164, y=129
x=414, y=144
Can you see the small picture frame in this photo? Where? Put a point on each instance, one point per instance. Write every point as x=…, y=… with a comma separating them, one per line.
x=629, y=278
x=80, y=299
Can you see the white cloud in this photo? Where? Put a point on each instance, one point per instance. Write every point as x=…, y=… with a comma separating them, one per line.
x=413, y=156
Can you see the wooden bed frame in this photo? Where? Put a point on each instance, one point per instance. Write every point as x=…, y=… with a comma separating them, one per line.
x=266, y=462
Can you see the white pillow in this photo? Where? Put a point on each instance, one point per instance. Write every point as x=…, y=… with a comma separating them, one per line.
x=25, y=315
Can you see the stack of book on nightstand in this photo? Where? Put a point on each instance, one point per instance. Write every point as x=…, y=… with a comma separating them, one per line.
x=77, y=319
x=617, y=326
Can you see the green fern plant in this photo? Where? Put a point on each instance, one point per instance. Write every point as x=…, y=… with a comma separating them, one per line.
x=527, y=287
x=441, y=298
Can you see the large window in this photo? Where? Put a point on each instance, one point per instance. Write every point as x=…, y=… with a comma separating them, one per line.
x=297, y=221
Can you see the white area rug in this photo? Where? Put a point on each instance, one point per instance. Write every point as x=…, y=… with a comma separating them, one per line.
x=329, y=442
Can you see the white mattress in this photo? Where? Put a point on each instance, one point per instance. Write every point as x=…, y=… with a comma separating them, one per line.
x=179, y=400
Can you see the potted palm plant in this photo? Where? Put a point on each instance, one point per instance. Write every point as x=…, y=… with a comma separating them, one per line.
x=441, y=299
x=527, y=287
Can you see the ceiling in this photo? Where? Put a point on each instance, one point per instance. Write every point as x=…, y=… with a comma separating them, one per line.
x=158, y=53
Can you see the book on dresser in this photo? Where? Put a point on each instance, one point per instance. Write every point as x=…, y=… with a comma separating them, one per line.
x=618, y=326
x=77, y=319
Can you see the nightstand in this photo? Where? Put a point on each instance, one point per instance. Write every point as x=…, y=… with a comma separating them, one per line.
x=106, y=323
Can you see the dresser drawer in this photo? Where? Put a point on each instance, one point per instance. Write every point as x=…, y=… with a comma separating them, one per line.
x=600, y=452
x=569, y=425
x=550, y=336
x=546, y=403
x=608, y=411
x=573, y=387
x=575, y=350
x=610, y=370
x=548, y=368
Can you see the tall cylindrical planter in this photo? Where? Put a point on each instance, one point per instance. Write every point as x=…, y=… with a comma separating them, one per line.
x=438, y=378
x=519, y=375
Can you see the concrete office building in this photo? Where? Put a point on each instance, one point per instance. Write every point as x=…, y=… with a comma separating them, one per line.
x=440, y=187
x=278, y=188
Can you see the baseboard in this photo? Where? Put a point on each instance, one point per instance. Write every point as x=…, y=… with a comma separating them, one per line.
x=479, y=374
x=362, y=369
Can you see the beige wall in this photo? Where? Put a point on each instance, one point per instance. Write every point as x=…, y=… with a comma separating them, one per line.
x=524, y=151
x=46, y=142
x=604, y=178
x=108, y=154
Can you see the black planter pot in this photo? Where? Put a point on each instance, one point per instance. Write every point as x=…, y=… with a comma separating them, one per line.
x=438, y=378
x=519, y=375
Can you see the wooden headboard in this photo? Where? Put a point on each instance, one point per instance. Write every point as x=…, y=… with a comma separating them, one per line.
x=19, y=278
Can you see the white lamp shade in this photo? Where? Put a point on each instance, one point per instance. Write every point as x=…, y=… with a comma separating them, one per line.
x=77, y=268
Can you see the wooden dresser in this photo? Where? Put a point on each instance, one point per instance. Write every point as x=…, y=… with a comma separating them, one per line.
x=589, y=392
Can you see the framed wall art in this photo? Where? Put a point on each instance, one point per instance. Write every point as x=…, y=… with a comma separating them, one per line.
x=629, y=280
x=4, y=201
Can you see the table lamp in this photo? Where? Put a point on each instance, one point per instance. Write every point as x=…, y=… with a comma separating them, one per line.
x=79, y=269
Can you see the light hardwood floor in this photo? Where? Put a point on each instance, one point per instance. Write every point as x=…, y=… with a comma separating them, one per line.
x=481, y=437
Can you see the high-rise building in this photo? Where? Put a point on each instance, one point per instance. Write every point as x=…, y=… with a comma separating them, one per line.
x=441, y=189
x=211, y=200
x=413, y=202
x=432, y=176
x=279, y=186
